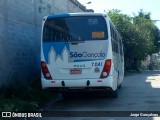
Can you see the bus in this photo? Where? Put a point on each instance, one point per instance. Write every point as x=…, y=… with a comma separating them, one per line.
x=83, y=52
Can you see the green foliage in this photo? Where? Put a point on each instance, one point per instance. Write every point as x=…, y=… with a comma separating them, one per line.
x=157, y=65
x=17, y=105
x=154, y=65
x=140, y=37
x=24, y=97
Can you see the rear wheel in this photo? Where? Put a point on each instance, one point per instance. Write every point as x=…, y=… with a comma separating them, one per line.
x=114, y=94
x=110, y=94
x=119, y=87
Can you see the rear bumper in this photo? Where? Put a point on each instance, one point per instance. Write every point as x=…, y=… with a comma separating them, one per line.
x=78, y=84
x=86, y=89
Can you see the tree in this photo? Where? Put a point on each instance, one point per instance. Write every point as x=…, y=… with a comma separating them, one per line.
x=144, y=21
x=139, y=35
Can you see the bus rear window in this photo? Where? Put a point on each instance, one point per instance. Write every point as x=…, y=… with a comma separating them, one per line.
x=75, y=28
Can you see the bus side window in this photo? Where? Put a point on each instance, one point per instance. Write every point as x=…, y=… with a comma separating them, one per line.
x=116, y=47
x=120, y=47
x=110, y=30
x=118, y=42
x=112, y=44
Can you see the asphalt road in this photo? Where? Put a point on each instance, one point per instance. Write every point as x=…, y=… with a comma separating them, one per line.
x=139, y=92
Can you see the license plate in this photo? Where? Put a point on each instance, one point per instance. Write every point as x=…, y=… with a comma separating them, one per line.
x=75, y=71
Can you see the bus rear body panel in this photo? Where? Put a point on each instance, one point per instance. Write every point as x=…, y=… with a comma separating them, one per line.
x=67, y=61
x=76, y=52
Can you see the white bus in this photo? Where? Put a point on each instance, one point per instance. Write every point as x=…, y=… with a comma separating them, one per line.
x=81, y=51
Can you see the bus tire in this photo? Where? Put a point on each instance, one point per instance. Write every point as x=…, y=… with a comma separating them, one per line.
x=114, y=94
x=119, y=87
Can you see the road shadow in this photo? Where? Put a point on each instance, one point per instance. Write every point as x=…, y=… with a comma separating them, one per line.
x=136, y=94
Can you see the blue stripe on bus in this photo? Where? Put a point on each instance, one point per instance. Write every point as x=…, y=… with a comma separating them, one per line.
x=58, y=15
x=58, y=47
x=84, y=60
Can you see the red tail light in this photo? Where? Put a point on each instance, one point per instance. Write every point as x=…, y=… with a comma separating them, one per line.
x=106, y=69
x=45, y=71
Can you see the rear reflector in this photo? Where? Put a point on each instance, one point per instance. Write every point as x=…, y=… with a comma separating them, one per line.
x=99, y=80
x=106, y=69
x=45, y=71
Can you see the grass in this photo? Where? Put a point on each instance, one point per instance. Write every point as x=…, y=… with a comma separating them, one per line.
x=24, y=98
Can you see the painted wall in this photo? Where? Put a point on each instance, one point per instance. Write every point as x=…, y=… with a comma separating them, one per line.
x=20, y=29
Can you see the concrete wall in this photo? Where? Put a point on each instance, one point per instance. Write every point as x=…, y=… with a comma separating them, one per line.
x=20, y=29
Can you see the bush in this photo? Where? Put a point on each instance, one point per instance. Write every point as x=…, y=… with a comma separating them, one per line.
x=19, y=97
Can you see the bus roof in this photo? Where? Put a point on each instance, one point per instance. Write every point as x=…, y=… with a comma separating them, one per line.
x=75, y=14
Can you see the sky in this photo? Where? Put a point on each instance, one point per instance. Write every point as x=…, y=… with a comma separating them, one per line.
x=126, y=6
